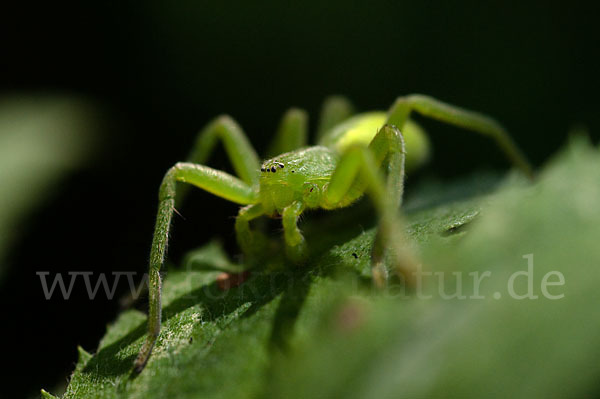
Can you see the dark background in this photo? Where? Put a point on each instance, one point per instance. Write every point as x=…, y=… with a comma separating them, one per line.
x=161, y=70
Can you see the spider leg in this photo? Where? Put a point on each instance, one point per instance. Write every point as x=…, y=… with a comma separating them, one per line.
x=251, y=242
x=335, y=109
x=211, y=180
x=399, y=113
x=243, y=157
x=295, y=244
x=358, y=172
x=292, y=133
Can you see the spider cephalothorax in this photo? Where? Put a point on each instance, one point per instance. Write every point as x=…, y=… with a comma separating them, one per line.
x=296, y=176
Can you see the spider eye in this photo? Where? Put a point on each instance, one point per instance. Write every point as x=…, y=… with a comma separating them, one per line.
x=273, y=169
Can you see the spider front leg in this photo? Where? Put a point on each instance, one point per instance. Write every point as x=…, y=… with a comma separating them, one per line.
x=335, y=110
x=211, y=180
x=295, y=244
x=254, y=242
x=399, y=114
x=358, y=172
x=250, y=241
x=292, y=133
x=241, y=154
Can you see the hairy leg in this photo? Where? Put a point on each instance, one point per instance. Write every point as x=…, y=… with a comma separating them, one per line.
x=250, y=241
x=214, y=181
x=291, y=134
x=359, y=171
x=243, y=157
x=387, y=147
x=295, y=244
x=400, y=111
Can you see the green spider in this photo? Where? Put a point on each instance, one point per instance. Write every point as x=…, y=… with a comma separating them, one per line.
x=347, y=162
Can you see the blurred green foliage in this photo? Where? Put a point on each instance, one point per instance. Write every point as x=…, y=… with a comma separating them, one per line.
x=41, y=138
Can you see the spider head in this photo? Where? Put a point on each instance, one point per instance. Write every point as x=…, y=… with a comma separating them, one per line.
x=279, y=183
x=296, y=176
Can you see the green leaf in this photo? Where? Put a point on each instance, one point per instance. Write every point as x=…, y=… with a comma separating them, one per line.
x=490, y=347
x=46, y=395
x=322, y=331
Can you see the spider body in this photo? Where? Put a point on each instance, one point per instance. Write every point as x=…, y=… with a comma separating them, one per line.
x=296, y=176
x=361, y=129
x=303, y=175
x=355, y=155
